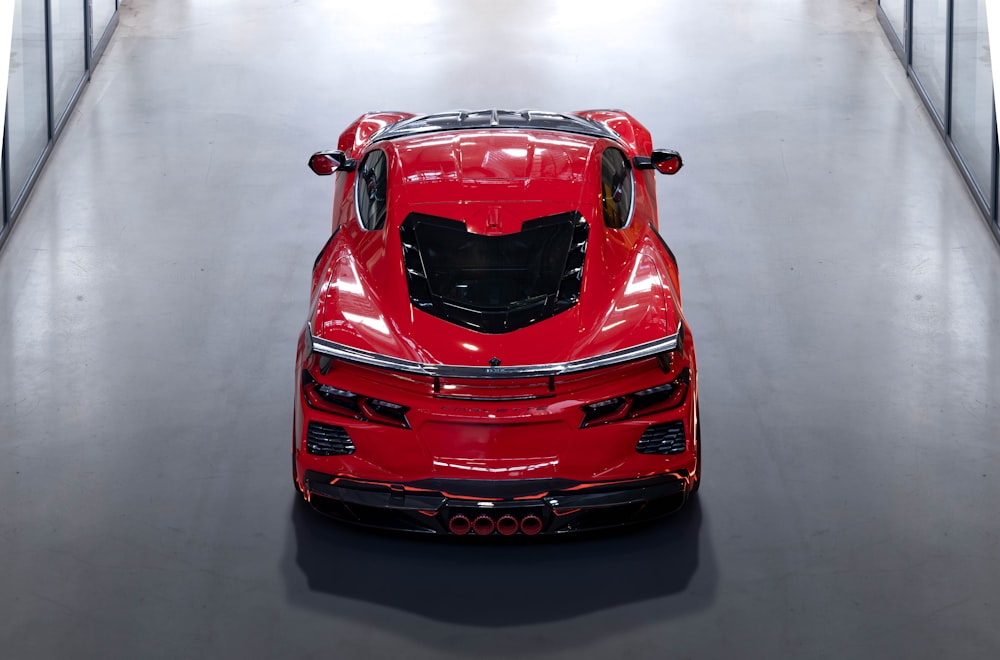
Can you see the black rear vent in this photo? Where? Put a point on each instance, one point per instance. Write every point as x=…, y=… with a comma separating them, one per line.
x=326, y=440
x=494, y=284
x=662, y=439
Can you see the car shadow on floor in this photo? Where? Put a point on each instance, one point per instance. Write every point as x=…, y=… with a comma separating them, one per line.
x=499, y=582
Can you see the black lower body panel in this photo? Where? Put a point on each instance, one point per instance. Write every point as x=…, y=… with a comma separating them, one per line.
x=485, y=508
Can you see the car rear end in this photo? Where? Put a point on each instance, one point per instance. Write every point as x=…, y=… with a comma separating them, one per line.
x=527, y=454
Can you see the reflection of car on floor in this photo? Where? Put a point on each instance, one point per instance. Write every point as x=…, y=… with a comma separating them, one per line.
x=495, y=342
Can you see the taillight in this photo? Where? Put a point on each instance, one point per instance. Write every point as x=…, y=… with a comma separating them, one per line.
x=604, y=411
x=661, y=397
x=644, y=402
x=377, y=410
x=324, y=396
x=344, y=402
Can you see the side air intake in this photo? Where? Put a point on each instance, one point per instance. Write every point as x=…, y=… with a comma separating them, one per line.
x=662, y=439
x=326, y=440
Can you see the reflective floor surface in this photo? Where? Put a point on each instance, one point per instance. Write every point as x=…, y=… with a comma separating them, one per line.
x=842, y=288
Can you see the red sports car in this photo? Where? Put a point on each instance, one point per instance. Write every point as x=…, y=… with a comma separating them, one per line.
x=495, y=342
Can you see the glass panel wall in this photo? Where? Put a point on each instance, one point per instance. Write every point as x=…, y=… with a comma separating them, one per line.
x=69, y=53
x=972, y=91
x=930, y=43
x=27, y=94
x=895, y=11
x=101, y=12
x=948, y=55
x=48, y=69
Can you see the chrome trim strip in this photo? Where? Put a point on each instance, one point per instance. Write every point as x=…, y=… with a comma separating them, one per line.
x=358, y=356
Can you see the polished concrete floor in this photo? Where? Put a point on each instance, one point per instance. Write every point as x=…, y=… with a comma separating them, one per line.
x=844, y=292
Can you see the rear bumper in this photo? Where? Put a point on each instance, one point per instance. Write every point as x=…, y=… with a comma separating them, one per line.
x=525, y=506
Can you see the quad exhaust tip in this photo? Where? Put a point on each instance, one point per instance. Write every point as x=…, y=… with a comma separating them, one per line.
x=507, y=525
x=484, y=525
x=531, y=525
x=459, y=525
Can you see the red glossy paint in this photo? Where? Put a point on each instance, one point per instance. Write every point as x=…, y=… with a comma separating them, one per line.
x=497, y=429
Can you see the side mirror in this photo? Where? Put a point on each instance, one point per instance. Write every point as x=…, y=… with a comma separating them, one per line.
x=664, y=161
x=325, y=163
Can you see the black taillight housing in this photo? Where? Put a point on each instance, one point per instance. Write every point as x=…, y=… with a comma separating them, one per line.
x=605, y=411
x=328, y=398
x=644, y=402
x=662, y=397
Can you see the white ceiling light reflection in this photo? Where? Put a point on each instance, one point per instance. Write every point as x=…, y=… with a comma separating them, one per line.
x=612, y=326
x=376, y=324
x=643, y=278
